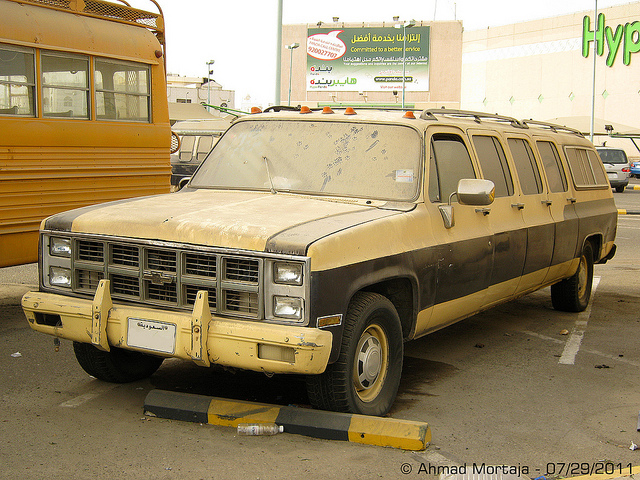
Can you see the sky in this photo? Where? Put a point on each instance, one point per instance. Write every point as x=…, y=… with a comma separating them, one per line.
x=240, y=35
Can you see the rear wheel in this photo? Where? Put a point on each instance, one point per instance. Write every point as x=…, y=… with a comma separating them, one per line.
x=366, y=376
x=116, y=366
x=620, y=189
x=573, y=294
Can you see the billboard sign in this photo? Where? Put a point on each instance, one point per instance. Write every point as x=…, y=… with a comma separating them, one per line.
x=367, y=59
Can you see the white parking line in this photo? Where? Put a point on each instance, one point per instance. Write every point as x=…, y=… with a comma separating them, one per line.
x=81, y=399
x=572, y=346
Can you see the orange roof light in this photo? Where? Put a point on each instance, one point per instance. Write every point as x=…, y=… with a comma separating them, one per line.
x=349, y=111
x=327, y=110
x=305, y=109
x=409, y=114
x=256, y=110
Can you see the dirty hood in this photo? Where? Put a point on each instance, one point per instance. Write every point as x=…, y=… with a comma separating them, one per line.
x=255, y=221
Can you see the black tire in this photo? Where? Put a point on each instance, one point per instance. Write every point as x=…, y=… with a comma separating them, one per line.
x=116, y=366
x=573, y=293
x=366, y=376
x=620, y=189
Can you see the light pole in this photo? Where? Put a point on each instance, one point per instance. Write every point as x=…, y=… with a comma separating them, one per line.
x=291, y=48
x=404, y=26
x=209, y=72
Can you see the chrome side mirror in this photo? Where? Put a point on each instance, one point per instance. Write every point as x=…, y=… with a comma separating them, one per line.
x=183, y=182
x=471, y=191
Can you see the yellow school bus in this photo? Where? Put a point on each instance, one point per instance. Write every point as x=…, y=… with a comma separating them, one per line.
x=83, y=112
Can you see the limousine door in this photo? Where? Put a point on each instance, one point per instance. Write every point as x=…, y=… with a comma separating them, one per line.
x=464, y=251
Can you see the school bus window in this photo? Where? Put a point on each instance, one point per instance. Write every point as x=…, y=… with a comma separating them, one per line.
x=17, y=81
x=65, y=85
x=122, y=91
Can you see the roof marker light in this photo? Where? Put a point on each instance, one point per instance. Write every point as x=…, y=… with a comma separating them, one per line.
x=256, y=110
x=305, y=109
x=327, y=110
x=409, y=114
x=349, y=111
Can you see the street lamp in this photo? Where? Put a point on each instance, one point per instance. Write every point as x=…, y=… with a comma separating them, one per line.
x=209, y=72
x=404, y=26
x=291, y=48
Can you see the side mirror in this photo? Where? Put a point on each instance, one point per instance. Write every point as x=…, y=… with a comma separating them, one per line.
x=471, y=191
x=476, y=192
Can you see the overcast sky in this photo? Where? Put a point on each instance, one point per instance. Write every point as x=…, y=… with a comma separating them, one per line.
x=240, y=35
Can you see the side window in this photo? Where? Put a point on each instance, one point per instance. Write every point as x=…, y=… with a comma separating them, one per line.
x=448, y=164
x=526, y=166
x=17, y=81
x=122, y=91
x=552, y=166
x=494, y=164
x=585, y=169
x=598, y=169
x=65, y=85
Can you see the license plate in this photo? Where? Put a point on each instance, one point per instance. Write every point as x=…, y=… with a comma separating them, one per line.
x=151, y=335
x=612, y=175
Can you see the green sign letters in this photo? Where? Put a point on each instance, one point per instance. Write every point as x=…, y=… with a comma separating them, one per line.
x=627, y=36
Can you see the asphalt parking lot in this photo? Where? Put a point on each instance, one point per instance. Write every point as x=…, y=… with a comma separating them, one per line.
x=540, y=392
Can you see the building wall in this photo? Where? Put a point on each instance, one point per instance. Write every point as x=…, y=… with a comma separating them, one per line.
x=536, y=70
x=444, y=69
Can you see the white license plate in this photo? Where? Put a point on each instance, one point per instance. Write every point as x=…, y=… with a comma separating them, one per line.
x=612, y=175
x=151, y=335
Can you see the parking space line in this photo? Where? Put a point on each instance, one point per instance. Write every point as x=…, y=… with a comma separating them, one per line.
x=572, y=346
x=84, y=398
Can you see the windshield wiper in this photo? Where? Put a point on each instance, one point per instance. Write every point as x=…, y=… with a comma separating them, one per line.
x=266, y=164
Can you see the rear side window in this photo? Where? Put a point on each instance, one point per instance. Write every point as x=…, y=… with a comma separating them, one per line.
x=449, y=163
x=526, y=166
x=494, y=164
x=585, y=169
x=552, y=166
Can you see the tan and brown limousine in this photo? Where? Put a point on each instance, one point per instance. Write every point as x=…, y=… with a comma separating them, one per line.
x=317, y=242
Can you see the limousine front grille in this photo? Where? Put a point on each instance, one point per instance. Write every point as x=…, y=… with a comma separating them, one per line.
x=170, y=276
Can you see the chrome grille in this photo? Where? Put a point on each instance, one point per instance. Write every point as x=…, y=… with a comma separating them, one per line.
x=90, y=251
x=127, y=255
x=170, y=276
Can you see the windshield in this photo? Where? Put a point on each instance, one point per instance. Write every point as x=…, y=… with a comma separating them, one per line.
x=613, y=156
x=329, y=158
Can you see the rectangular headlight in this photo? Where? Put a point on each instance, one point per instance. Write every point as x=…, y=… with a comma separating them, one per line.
x=60, y=247
x=60, y=277
x=287, y=307
x=287, y=273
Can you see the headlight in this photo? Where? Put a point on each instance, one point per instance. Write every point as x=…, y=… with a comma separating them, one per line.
x=60, y=247
x=287, y=273
x=287, y=307
x=60, y=277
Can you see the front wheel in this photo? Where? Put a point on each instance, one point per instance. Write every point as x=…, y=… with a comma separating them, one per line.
x=116, y=366
x=366, y=376
x=573, y=293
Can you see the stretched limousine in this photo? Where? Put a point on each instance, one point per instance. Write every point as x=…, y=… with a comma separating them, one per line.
x=317, y=242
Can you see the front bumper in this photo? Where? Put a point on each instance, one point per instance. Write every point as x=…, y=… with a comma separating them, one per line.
x=195, y=336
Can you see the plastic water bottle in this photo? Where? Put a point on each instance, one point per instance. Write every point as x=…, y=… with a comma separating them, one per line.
x=259, y=429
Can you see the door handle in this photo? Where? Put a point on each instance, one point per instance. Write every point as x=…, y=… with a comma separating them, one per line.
x=572, y=199
x=519, y=206
x=483, y=211
x=547, y=202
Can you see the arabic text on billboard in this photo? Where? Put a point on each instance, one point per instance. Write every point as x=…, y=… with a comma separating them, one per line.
x=367, y=59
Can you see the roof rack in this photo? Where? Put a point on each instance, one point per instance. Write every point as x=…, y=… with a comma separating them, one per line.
x=431, y=114
x=553, y=127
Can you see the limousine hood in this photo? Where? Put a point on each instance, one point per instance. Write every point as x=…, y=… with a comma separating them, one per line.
x=275, y=223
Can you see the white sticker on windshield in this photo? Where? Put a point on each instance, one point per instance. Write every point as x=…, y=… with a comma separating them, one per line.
x=404, y=176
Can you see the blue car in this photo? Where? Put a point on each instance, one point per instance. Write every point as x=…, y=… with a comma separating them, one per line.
x=635, y=169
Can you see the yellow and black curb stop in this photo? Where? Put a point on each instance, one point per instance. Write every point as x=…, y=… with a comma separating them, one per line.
x=381, y=431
